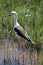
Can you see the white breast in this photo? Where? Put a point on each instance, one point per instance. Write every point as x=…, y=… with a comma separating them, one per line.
x=17, y=24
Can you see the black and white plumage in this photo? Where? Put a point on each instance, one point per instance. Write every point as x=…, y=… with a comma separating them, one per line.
x=19, y=30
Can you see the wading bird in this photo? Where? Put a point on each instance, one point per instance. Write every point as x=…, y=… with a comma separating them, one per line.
x=19, y=30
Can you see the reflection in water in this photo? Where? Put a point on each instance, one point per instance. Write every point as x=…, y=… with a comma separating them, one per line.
x=12, y=54
x=23, y=52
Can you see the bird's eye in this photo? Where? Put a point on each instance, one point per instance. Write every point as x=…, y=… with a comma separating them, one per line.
x=12, y=13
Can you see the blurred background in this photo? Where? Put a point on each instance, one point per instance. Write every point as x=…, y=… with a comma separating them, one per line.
x=30, y=17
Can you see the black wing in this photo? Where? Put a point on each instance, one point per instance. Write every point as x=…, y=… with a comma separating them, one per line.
x=21, y=32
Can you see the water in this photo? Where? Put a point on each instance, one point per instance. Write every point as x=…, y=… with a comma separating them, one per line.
x=10, y=54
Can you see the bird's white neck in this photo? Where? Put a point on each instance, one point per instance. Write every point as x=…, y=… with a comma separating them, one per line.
x=17, y=24
x=15, y=20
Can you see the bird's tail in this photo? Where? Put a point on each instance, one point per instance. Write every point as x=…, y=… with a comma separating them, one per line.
x=30, y=40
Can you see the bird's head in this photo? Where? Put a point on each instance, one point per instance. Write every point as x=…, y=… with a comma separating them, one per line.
x=13, y=13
